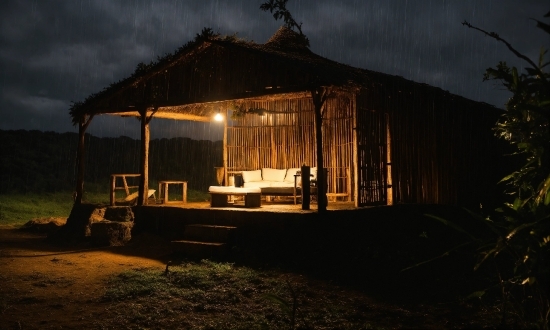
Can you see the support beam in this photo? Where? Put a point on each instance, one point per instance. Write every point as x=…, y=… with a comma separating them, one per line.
x=80, y=155
x=319, y=96
x=355, y=152
x=144, y=159
x=224, y=156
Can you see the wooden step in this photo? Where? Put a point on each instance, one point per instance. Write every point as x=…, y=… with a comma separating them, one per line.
x=208, y=233
x=199, y=250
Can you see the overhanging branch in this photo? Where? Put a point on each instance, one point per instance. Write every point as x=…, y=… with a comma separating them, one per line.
x=495, y=36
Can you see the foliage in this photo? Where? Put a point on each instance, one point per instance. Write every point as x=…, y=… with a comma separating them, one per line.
x=291, y=310
x=522, y=248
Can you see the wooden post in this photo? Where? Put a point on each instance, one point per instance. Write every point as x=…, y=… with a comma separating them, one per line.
x=224, y=156
x=306, y=184
x=112, y=190
x=79, y=189
x=355, y=152
x=389, y=182
x=144, y=159
x=319, y=95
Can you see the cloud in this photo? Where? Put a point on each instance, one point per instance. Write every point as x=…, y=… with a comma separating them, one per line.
x=55, y=52
x=36, y=104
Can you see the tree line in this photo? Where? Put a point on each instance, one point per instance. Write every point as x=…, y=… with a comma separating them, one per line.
x=36, y=161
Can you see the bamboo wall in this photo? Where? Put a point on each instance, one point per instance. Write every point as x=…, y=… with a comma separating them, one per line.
x=372, y=158
x=284, y=137
x=442, y=146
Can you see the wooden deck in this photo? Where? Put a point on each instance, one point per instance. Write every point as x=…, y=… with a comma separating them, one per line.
x=275, y=206
x=170, y=220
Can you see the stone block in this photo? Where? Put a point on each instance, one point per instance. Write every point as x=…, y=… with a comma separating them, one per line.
x=119, y=214
x=111, y=233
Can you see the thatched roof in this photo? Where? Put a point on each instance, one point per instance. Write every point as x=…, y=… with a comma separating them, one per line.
x=288, y=40
x=191, y=83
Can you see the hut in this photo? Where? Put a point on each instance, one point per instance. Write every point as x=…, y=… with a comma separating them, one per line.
x=383, y=139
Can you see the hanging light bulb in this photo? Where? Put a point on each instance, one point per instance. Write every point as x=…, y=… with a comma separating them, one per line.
x=218, y=117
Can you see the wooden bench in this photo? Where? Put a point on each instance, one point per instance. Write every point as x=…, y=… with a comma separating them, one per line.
x=219, y=195
x=130, y=197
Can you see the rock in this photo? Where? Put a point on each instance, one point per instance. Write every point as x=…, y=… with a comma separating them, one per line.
x=119, y=214
x=111, y=233
x=84, y=216
x=44, y=225
x=78, y=225
x=98, y=215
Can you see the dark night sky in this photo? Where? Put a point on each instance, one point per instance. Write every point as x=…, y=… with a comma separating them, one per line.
x=53, y=52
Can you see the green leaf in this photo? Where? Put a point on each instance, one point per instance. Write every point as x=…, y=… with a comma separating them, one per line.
x=516, y=230
x=543, y=192
x=279, y=301
x=517, y=204
x=515, y=78
x=507, y=178
x=446, y=253
x=476, y=294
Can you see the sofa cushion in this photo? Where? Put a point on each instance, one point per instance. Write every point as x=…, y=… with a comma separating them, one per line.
x=273, y=174
x=229, y=190
x=282, y=184
x=290, y=175
x=257, y=184
x=252, y=176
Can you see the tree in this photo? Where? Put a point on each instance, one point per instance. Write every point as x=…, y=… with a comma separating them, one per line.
x=522, y=248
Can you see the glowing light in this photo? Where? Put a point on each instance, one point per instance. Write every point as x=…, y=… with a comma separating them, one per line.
x=218, y=117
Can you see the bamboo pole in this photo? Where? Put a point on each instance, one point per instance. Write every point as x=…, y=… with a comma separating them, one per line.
x=355, y=152
x=389, y=181
x=112, y=184
x=144, y=161
x=224, y=156
x=319, y=96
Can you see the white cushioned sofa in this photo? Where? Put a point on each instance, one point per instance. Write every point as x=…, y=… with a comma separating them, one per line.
x=272, y=177
x=275, y=182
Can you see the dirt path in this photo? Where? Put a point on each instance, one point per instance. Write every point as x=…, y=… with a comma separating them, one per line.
x=45, y=286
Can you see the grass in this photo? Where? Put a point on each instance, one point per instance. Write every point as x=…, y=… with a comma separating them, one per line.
x=211, y=295
x=18, y=208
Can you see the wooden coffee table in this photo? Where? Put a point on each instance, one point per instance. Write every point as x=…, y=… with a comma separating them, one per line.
x=219, y=194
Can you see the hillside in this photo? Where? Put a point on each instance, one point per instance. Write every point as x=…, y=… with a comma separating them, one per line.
x=35, y=161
